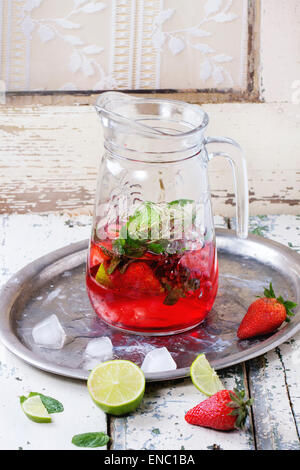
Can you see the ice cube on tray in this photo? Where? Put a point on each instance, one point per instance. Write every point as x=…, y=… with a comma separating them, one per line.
x=158, y=360
x=100, y=348
x=49, y=333
x=90, y=363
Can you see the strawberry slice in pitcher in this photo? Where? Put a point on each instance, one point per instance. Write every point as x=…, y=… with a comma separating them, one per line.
x=138, y=279
x=100, y=253
x=199, y=261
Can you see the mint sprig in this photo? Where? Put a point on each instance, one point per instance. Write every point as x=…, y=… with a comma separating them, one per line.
x=157, y=229
x=288, y=304
x=154, y=227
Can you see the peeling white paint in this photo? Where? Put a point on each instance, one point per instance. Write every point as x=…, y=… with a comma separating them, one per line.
x=50, y=161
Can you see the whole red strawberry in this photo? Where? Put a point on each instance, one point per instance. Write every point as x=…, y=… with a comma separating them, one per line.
x=265, y=315
x=224, y=411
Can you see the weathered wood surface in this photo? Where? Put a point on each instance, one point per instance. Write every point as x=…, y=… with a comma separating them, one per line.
x=160, y=423
x=273, y=380
x=49, y=157
x=22, y=239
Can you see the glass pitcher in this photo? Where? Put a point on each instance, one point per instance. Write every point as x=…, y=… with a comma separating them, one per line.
x=152, y=264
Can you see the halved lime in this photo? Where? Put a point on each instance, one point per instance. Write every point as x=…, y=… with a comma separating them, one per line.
x=117, y=386
x=35, y=410
x=204, y=377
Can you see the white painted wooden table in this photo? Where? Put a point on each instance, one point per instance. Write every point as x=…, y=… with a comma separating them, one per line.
x=273, y=380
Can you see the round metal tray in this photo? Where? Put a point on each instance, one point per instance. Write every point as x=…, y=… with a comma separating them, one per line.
x=55, y=283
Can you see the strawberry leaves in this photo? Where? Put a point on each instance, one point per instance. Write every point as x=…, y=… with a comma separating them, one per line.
x=269, y=293
x=288, y=304
x=239, y=406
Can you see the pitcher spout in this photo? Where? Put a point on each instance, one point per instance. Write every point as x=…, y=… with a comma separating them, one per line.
x=121, y=108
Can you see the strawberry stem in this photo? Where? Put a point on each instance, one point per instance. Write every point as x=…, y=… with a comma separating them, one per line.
x=288, y=305
x=240, y=407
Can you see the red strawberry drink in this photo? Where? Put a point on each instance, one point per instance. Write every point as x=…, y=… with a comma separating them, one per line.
x=141, y=280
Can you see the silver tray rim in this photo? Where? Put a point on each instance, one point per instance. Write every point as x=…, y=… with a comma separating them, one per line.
x=10, y=291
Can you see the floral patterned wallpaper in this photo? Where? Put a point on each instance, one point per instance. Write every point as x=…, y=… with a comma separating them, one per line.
x=124, y=44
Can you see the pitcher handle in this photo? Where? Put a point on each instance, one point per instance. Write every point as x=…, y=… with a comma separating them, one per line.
x=238, y=164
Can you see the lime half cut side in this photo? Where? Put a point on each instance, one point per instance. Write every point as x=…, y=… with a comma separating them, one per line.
x=35, y=410
x=204, y=377
x=117, y=386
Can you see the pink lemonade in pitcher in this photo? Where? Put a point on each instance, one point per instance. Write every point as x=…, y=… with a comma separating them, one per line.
x=147, y=286
x=152, y=263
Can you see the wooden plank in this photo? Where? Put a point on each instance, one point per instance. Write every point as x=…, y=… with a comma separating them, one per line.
x=273, y=414
x=274, y=378
x=22, y=239
x=49, y=157
x=160, y=424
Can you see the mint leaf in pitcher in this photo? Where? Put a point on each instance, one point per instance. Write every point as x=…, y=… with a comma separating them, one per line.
x=155, y=237
x=154, y=227
x=115, y=261
x=181, y=202
x=146, y=222
x=173, y=296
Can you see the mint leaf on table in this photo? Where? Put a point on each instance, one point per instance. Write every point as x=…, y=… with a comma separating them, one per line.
x=90, y=439
x=51, y=404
